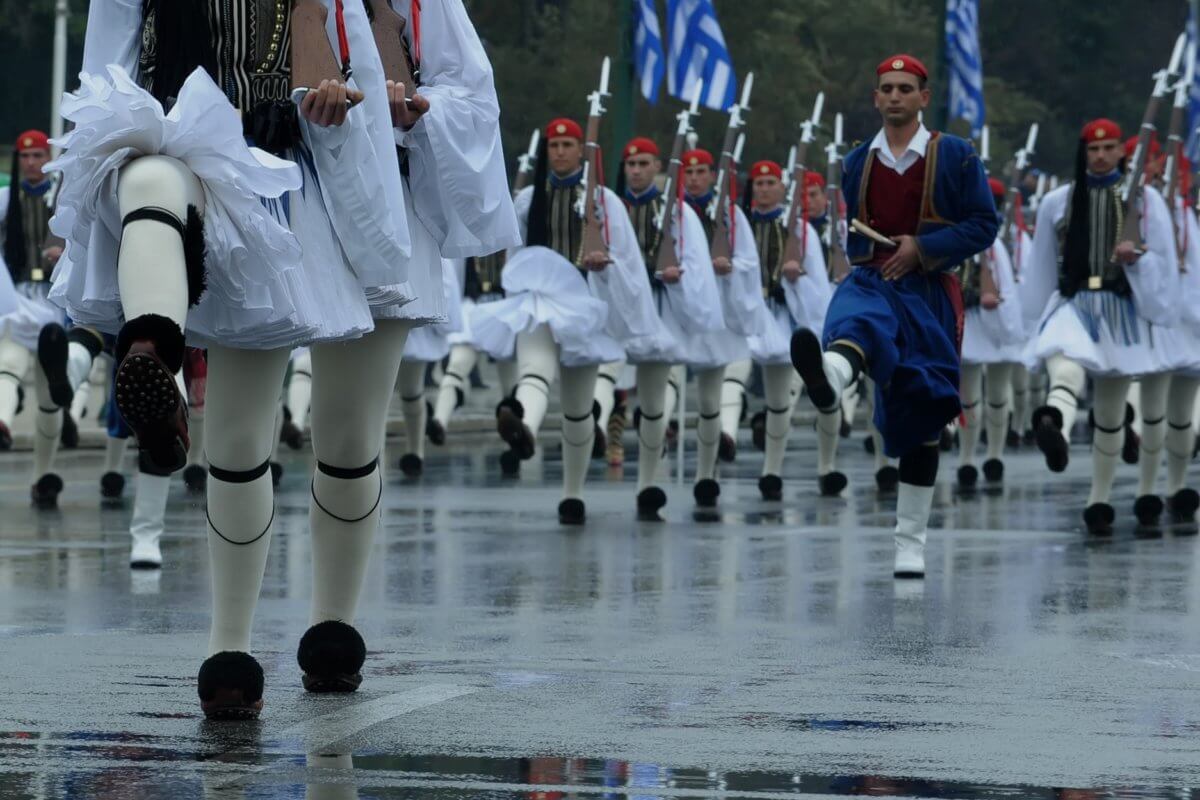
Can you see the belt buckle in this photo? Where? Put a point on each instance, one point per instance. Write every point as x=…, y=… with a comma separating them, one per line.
x=1095, y=282
x=37, y=275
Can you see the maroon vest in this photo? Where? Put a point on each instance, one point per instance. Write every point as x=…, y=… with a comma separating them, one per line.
x=894, y=202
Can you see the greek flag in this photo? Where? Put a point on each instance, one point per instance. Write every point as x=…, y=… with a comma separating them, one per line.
x=1192, y=137
x=966, y=63
x=698, y=53
x=648, y=57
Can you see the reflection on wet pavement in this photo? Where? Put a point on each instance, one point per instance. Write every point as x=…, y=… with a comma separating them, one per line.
x=762, y=651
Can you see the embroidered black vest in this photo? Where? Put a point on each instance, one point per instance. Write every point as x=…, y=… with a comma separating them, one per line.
x=770, y=237
x=483, y=275
x=1105, y=218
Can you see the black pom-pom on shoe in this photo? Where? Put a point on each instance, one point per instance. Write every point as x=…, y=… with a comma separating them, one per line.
x=572, y=512
x=1182, y=506
x=230, y=686
x=45, y=491
x=411, y=465
x=968, y=476
x=112, y=485
x=993, y=470
x=1048, y=434
x=770, y=487
x=705, y=492
x=331, y=654
x=1148, y=509
x=1098, y=518
x=887, y=479
x=831, y=484
x=510, y=464
x=727, y=449
x=649, y=502
x=195, y=477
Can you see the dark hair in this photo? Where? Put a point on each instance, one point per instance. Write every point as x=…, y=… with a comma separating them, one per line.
x=14, y=231
x=1075, y=247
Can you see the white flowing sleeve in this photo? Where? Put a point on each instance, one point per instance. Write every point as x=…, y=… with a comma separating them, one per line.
x=4, y=194
x=695, y=296
x=113, y=36
x=357, y=166
x=1155, y=276
x=1005, y=323
x=1040, y=273
x=521, y=204
x=8, y=292
x=808, y=296
x=1189, y=278
x=741, y=293
x=623, y=284
x=456, y=163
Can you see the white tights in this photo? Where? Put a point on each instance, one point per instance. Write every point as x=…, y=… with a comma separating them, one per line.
x=733, y=395
x=652, y=423
x=299, y=395
x=456, y=382
x=606, y=387
x=708, y=426
x=1166, y=403
x=538, y=360
x=995, y=415
x=14, y=363
x=1067, y=380
x=411, y=385
x=778, y=381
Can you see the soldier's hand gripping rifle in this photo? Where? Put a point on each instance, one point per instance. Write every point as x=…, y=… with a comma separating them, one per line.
x=1131, y=228
x=595, y=248
x=665, y=256
x=526, y=163
x=793, y=251
x=839, y=263
x=1175, y=147
x=721, y=214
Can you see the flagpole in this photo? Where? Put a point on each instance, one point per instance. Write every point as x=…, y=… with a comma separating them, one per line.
x=623, y=90
x=941, y=104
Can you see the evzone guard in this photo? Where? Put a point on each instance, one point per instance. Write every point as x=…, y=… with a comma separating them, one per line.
x=919, y=206
x=220, y=244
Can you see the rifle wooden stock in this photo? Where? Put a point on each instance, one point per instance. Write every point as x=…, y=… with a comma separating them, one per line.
x=665, y=256
x=593, y=234
x=387, y=29
x=839, y=264
x=791, y=248
x=989, y=293
x=719, y=246
x=1131, y=228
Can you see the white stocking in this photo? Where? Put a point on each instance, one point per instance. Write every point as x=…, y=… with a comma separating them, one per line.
x=1108, y=414
x=243, y=399
x=606, y=391
x=299, y=394
x=352, y=389
x=1134, y=401
x=676, y=379
x=507, y=373
x=998, y=383
x=778, y=380
x=1181, y=436
x=708, y=427
x=970, y=389
x=47, y=423
x=456, y=382
x=881, y=459
x=652, y=424
x=151, y=269
x=850, y=403
x=579, y=426
x=1152, y=394
x=14, y=363
x=537, y=362
x=114, y=453
x=1021, y=398
x=1067, y=382
x=411, y=383
x=733, y=395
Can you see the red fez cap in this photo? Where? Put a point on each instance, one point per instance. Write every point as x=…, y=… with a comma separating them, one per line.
x=561, y=127
x=1155, y=147
x=903, y=63
x=32, y=140
x=997, y=186
x=694, y=157
x=814, y=179
x=640, y=146
x=762, y=168
x=1099, y=130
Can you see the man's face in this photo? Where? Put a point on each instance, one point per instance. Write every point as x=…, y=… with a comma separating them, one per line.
x=768, y=192
x=566, y=155
x=1154, y=169
x=818, y=201
x=31, y=162
x=640, y=171
x=698, y=179
x=1104, y=156
x=899, y=98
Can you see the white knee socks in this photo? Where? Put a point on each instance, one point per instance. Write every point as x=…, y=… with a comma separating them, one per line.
x=1108, y=415
x=971, y=391
x=14, y=363
x=997, y=389
x=456, y=382
x=733, y=395
x=1152, y=392
x=537, y=361
x=579, y=426
x=777, y=386
x=606, y=385
x=114, y=454
x=299, y=394
x=1181, y=436
x=708, y=426
x=652, y=424
x=411, y=383
x=1067, y=381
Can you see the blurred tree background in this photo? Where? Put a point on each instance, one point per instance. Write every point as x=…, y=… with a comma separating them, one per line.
x=1058, y=63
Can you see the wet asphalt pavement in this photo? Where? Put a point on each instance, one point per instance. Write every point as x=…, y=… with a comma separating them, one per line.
x=764, y=653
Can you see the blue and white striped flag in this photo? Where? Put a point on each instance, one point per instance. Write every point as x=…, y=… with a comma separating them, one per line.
x=648, y=58
x=966, y=62
x=1191, y=138
x=698, y=52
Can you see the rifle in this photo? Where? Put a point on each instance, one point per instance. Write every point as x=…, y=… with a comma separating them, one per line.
x=1175, y=145
x=989, y=293
x=526, y=162
x=593, y=234
x=808, y=132
x=665, y=255
x=720, y=246
x=1131, y=229
x=839, y=264
x=1009, y=230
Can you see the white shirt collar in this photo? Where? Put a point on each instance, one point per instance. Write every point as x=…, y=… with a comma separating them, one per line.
x=914, y=151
